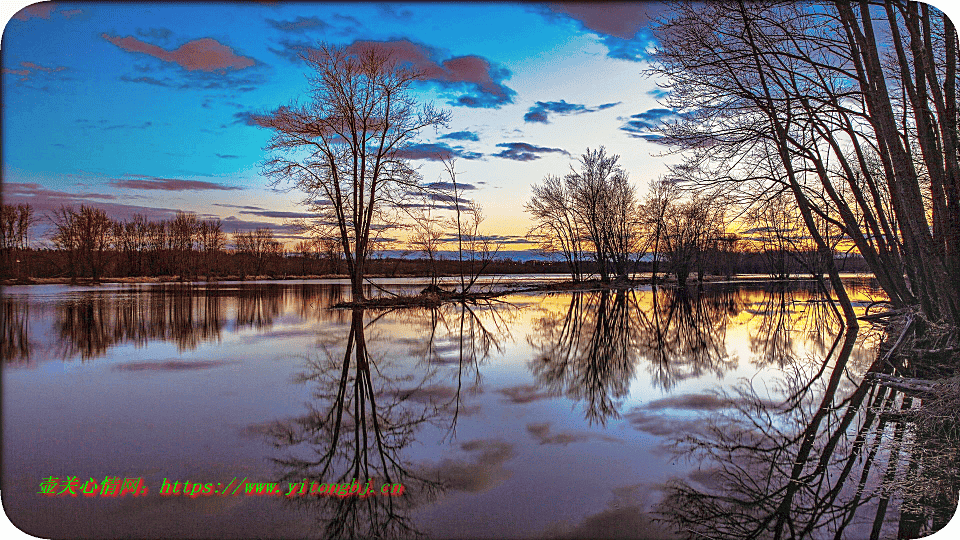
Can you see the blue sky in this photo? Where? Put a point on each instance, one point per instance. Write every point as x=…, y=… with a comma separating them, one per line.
x=143, y=107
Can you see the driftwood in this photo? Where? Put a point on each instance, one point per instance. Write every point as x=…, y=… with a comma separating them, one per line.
x=923, y=386
x=883, y=315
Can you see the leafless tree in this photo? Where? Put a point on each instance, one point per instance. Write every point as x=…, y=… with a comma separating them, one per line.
x=555, y=224
x=343, y=148
x=85, y=236
x=827, y=93
x=211, y=241
x=15, y=223
x=595, y=205
x=257, y=246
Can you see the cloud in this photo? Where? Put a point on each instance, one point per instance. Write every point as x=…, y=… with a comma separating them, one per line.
x=139, y=181
x=484, y=471
x=170, y=365
x=300, y=25
x=622, y=26
x=40, y=10
x=521, y=151
x=246, y=118
x=461, y=136
x=540, y=112
x=389, y=11
x=475, y=80
x=204, y=54
x=696, y=402
x=279, y=214
x=429, y=395
x=227, y=156
x=38, y=191
x=524, y=394
x=161, y=34
x=28, y=71
x=644, y=125
x=659, y=93
x=450, y=186
x=435, y=152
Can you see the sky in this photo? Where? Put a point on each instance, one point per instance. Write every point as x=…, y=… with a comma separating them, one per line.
x=145, y=107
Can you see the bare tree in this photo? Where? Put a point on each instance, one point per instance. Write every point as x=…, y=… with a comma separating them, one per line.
x=257, y=246
x=211, y=240
x=594, y=205
x=343, y=148
x=85, y=235
x=15, y=222
x=555, y=224
x=826, y=93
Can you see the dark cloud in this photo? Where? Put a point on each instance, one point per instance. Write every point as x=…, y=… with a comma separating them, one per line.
x=28, y=73
x=524, y=394
x=278, y=214
x=661, y=425
x=300, y=25
x=139, y=181
x=643, y=125
x=621, y=521
x=435, y=152
x=475, y=80
x=47, y=201
x=541, y=111
x=659, y=93
x=170, y=365
x=430, y=395
x=199, y=80
x=542, y=433
x=161, y=34
x=622, y=26
x=461, y=136
x=204, y=54
x=521, y=151
x=482, y=472
x=237, y=206
x=390, y=11
x=227, y=156
x=449, y=186
x=234, y=224
x=40, y=10
x=697, y=402
x=144, y=125
x=246, y=118
x=37, y=191
x=616, y=19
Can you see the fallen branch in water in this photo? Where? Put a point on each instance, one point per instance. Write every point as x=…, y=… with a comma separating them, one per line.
x=924, y=386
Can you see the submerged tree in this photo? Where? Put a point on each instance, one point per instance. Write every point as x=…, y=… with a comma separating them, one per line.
x=343, y=147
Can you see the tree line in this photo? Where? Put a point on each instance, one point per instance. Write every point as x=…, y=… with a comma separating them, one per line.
x=87, y=243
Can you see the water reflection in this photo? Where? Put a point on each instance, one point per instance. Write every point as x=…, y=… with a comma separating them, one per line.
x=589, y=350
x=823, y=458
x=357, y=429
x=14, y=336
x=588, y=353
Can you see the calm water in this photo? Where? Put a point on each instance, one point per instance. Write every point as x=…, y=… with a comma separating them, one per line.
x=597, y=414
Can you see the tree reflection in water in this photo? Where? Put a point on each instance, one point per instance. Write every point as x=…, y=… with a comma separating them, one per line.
x=822, y=460
x=15, y=345
x=590, y=351
x=366, y=413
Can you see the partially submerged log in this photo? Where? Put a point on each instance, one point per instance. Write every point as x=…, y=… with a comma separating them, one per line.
x=923, y=386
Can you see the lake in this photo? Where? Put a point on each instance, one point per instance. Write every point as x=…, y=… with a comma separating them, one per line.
x=740, y=409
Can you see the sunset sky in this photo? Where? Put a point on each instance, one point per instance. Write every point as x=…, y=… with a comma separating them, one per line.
x=144, y=108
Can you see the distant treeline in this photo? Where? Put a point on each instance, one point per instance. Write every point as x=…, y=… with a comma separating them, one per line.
x=88, y=244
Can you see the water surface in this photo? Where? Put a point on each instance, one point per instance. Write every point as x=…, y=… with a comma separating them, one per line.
x=739, y=409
